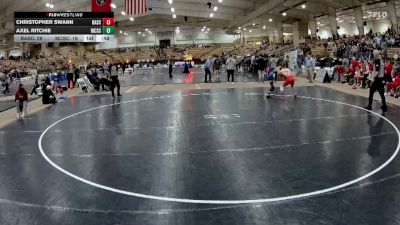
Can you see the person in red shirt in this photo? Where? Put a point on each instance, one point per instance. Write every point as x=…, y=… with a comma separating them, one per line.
x=21, y=100
x=388, y=71
x=354, y=64
x=392, y=87
x=289, y=79
x=340, y=69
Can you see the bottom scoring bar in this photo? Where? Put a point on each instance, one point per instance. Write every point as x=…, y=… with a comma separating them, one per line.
x=62, y=38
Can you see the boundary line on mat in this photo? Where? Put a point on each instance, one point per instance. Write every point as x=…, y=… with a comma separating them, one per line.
x=196, y=201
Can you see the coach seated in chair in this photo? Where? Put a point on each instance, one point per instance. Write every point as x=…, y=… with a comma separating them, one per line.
x=104, y=81
x=48, y=96
x=92, y=76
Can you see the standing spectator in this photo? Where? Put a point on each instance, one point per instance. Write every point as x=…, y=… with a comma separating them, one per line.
x=309, y=63
x=5, y=84
x=230, y=68
x=207, y=70
x=59, y=77
x=70, y=76
x=377, y=83
x=35, y=86
x=76, y=75
x=170, y=69
x=114, y=80
x=216, y=68
x=21, y=99
x=261, y=64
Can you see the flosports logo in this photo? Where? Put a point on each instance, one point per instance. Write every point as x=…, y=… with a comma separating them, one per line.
x=101, y=2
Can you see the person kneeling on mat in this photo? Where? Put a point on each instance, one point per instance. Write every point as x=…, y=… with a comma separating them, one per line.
x=21, y=99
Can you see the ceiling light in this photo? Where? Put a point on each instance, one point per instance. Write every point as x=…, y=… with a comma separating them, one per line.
x=303, y=6
x=238, y=31
x=239, y=28
x=220, y=1
x=123, y=13
x=146, y=29
x=113, y=6
x=125, y=33
x=51, y=6
x=47, y=5
x=270, y=20
x=170, y=1
x=172, y=9
x=337, y=19
x=211, y=15
x=202, y=30
x=208, y=29
x=131, y=19
x=245, y=28
x=250, y=31
x=284, y=14
x=120, y=31
x=139, y=32
x=254, y=24
x=204, y=27
x=143, y=35
x=215, y=8
x=174, y=16
x=264, y=27
x=318, y=23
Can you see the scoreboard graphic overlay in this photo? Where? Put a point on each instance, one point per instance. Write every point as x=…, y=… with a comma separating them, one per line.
x=63, y=26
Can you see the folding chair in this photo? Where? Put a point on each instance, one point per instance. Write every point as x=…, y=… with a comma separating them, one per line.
x=89, y=85
x=82, y=84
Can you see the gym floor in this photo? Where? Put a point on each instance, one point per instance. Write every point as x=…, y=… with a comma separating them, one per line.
x=221, y=156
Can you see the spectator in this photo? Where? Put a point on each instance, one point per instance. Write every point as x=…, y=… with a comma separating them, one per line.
x=21, y=99
x=70, y=75
x=230, y=69
x=216, y=68
x=207, y=70
x=309, y=63
x=261, y=64
x=48, y=96
x=170, y=69
x=35, y=86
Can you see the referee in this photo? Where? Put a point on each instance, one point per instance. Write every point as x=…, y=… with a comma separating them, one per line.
x=114, y=80
x=377, y=83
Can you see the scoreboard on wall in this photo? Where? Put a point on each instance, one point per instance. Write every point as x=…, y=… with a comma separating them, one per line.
x=63, y=26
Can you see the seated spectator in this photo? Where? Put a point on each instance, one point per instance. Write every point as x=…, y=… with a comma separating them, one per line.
x=48, y=96
x=21, y=99
x=358, y=76
x=388, y=71
x=340, y=70
x=393, y=87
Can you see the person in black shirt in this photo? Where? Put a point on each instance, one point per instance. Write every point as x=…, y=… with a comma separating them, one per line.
x=170, y=69
x=261, y=64
x=377, y=83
